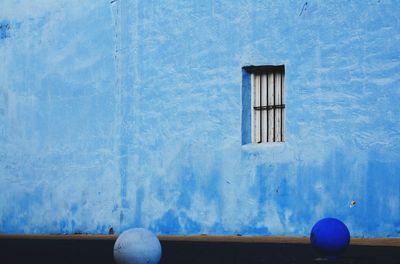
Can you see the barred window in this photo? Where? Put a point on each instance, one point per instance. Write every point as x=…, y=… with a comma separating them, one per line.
x=267, y=103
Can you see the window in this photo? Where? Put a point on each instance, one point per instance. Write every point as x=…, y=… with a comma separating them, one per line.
x=267, y=103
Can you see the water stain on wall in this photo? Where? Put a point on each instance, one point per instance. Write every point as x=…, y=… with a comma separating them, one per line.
x=5, y=29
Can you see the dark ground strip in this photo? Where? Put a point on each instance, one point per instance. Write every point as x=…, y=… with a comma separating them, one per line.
x=176, y=252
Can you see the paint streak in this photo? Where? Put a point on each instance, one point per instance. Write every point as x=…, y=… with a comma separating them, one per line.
x=138, y=207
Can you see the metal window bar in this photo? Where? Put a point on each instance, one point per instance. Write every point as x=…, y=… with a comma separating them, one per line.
x=267, y=108
x=261, y=113
x=282, y=76
x=272, y=108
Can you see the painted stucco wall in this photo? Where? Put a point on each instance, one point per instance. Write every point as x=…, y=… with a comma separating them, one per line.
x=128, y=113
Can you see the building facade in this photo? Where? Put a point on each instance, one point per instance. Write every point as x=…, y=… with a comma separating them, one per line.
x=128, y=113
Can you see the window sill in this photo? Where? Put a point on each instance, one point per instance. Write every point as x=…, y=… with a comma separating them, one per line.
x=261, y=146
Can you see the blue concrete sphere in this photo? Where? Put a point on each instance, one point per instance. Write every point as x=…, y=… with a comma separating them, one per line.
x=330, y=237
x=137, y=246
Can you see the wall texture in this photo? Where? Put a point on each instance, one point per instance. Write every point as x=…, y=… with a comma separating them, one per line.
x=124, y=113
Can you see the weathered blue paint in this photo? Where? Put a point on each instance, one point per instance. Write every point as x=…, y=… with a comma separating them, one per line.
x=129, y=114
x=4, y=29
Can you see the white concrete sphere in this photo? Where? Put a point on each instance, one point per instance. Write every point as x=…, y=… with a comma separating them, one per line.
x=137, y=246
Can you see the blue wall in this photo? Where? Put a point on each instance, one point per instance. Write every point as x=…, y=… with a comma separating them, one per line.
x=128, y=113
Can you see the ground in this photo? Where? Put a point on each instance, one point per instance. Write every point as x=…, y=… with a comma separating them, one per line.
x=65, y=251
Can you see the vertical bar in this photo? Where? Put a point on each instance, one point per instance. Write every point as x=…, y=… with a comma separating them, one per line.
x=274, y=105
x=283, y=102
x=282, y=109
x=261, y=112
x=252, y=107
x=278, y=110
x=270, y=103
x=264, y=100
x=256, y=120
x=267, y=111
